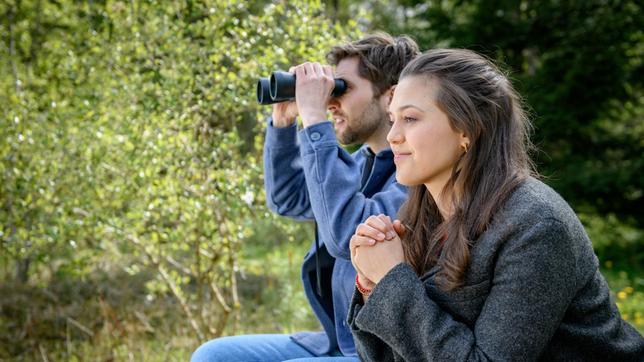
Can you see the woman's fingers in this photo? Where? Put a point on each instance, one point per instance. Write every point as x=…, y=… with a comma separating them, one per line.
x=399, y=228
x=371, y=232
x=359, y=240
x=376, y=222
x=354, y=254
x=385, y=218
x=383, y=224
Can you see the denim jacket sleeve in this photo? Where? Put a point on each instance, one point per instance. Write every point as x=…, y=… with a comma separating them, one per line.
x=333, y=182
x=284, y=182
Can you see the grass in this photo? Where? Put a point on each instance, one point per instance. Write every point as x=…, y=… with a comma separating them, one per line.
x=627, y=290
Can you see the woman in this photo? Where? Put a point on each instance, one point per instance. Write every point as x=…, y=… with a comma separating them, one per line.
x=491, y=264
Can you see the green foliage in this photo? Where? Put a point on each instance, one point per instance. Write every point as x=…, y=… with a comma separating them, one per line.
x=579, y=66
x=615, y=240
x=131, y=138
x=628, y=292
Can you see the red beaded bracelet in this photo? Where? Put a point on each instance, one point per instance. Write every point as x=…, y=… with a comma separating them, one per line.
x=364, y=291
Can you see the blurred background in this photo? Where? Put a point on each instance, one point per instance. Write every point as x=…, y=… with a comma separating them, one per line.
x=133, y=223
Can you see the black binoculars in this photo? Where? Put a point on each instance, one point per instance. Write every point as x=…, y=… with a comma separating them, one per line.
x=280, y=87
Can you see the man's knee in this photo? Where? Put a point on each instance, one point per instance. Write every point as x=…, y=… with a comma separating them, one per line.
x=220, y=349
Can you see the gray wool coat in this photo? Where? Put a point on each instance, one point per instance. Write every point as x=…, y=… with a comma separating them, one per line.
x=532, y=291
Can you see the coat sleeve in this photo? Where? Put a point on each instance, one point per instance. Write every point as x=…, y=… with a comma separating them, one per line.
x=333, y=181
x=533, y=284
x=286, y=192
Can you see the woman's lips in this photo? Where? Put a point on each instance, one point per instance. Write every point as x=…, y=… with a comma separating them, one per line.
x=401, y=156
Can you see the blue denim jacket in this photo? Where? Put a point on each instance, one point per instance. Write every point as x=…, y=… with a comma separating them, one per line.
x=308, y=176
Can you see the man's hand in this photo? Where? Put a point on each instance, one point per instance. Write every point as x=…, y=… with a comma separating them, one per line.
x=313, y=86
x=285, y=113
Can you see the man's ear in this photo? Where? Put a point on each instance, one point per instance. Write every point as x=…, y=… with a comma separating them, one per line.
x=388, y=95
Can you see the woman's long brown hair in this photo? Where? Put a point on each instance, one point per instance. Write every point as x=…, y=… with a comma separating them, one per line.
x=479, y=101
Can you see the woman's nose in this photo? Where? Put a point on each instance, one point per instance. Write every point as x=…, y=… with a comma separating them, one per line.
x=395, y=136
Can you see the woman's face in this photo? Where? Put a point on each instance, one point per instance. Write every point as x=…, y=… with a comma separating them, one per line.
x=424, y=144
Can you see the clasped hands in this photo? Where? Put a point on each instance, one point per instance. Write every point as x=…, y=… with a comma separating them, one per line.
x=313, y=86
x=376, y=248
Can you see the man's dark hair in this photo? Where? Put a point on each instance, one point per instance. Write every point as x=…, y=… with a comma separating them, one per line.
x=381, y=57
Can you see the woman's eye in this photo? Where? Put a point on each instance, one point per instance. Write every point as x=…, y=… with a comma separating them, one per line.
x=405, y=119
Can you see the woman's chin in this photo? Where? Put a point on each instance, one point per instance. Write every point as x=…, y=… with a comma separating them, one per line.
x=405, y=181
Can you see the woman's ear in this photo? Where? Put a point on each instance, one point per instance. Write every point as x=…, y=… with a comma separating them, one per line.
x=465, y=142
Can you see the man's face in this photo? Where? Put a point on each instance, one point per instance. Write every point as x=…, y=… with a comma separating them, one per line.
x=357, y=114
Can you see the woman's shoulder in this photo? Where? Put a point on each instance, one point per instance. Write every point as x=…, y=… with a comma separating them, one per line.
x=534, y=200
x=534, y=208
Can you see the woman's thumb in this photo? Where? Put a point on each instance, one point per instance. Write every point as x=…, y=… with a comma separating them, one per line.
x=399, y=228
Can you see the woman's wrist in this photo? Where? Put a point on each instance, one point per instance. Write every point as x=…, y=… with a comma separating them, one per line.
x=364, y=291
x=364, y=285
x=366, y=282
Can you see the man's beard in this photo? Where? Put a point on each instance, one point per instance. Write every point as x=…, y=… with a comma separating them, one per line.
x=359, y=130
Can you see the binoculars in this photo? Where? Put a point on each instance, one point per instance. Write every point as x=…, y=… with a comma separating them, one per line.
x=280, y=87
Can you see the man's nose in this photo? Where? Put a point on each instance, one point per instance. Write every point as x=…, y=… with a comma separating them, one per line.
x=334, y=105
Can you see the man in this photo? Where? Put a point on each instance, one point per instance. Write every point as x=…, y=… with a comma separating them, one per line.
x=309, y=176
